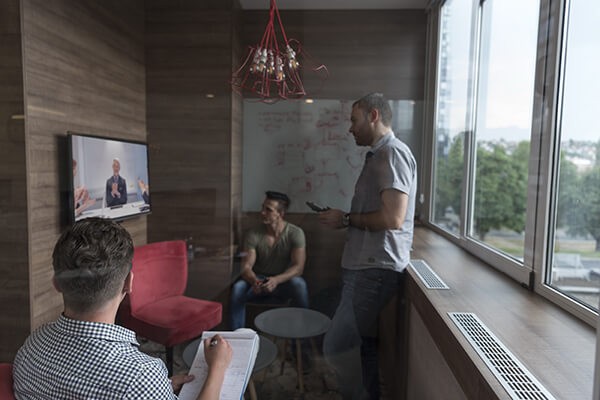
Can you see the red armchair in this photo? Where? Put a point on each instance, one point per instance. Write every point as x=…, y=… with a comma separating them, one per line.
x=6, y=382
x=156, y=308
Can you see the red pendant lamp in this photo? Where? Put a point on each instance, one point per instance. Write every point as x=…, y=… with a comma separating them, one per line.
x=271, y=70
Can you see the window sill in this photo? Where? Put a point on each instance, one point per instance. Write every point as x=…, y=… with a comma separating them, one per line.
x=556, y=347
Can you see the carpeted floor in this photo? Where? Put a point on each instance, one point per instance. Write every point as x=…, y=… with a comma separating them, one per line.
x=319, y=381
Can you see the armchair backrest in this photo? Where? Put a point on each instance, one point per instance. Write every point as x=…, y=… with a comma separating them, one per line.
x=159, y=270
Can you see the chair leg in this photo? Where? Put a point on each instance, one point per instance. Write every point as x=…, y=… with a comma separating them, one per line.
x=170, y=360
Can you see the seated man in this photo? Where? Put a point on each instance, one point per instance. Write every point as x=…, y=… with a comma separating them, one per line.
x=84, y=355
x=273, y=262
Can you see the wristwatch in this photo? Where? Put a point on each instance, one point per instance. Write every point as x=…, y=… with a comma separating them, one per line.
x=346, y=220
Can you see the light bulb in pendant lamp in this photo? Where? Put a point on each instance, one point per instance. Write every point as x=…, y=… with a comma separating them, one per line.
x=271, y=70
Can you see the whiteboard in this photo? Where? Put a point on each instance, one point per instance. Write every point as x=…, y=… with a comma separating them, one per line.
x=305, y=150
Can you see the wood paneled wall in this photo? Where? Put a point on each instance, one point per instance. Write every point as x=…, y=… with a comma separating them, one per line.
x=195, y=179
x=83, y=65
x=14, y=259
x=237, y=113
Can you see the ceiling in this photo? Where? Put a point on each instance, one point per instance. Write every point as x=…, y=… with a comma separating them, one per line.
x=335, y=4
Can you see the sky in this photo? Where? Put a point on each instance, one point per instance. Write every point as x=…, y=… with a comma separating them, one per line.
x=510, y=69
x=582, y=83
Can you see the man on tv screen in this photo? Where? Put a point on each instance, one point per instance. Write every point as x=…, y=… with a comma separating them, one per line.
x=116, y=187
x=81, y=196
x=145, y=189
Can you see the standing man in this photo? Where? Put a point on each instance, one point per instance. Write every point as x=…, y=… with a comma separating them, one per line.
x=380, y=232
x=116, y=187
x=83, y=354
x=273, y=262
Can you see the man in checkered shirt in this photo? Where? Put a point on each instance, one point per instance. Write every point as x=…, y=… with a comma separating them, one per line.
x=84, y=355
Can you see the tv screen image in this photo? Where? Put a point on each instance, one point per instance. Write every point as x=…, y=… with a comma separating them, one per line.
x=109, y=177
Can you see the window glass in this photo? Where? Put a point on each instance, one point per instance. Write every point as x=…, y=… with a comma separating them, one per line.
x=451, y=113
x=575, y=259
x=503, y=124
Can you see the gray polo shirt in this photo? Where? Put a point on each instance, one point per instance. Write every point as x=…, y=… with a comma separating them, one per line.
x=391, y=166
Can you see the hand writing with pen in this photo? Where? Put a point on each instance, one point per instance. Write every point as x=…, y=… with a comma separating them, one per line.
x=218, y=354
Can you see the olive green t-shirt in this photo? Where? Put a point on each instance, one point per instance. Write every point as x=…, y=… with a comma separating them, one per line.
x=276, y=259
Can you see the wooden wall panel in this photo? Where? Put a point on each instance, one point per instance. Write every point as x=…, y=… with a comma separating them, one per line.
x=189, y=55
x=237, y=113
x=14, y=259
x=427, y=366
x=84, y=71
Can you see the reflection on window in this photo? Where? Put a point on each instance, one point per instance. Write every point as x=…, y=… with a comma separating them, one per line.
x=575, y=260
x=503, y=126
x=451, y=115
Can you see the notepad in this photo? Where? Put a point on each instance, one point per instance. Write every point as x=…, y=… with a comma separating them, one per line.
x=244, y=343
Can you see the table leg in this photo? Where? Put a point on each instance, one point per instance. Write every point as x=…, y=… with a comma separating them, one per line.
x=318, y=367
x=299, y=363
x=282, y=351
x=313, y=344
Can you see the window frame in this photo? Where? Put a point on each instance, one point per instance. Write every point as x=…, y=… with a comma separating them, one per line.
x=551, y=79
x=473, y=51
x=544, y=140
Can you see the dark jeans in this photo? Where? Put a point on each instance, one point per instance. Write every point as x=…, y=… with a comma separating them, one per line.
x=352, y=338
x=241, y=293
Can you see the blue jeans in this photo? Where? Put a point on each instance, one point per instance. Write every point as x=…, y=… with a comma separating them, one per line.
x=350, y=345
x=241, y=293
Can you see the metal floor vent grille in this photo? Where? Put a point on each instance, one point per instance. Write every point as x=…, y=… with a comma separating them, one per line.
x=516, y=379
x=428, y=277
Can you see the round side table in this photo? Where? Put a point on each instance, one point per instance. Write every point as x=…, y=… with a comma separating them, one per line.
x=294, y=323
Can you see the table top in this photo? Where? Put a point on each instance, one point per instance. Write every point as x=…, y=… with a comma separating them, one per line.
x=267, y=352
x=190, y=352
x=292, y=322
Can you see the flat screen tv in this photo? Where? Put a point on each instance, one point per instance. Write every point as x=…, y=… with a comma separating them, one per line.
x=109, y=178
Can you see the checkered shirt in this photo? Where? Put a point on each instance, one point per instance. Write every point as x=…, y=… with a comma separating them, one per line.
x=72, y=359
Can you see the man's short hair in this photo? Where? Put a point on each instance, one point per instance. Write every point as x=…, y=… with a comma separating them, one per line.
x=376, y=101
x=282, y=198
x=91, y=260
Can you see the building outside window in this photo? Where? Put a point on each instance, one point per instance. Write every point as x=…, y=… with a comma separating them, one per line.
x=451, y=112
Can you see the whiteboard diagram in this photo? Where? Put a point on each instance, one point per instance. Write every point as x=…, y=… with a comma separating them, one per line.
x=305, y=150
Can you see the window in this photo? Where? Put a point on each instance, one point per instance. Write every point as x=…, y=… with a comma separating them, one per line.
x=451, y=112
x=518, y=220
x=574, y=262
x=480, y=180
x=503, y=124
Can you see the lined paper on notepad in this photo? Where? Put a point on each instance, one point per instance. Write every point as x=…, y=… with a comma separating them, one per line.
x=244, y=344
